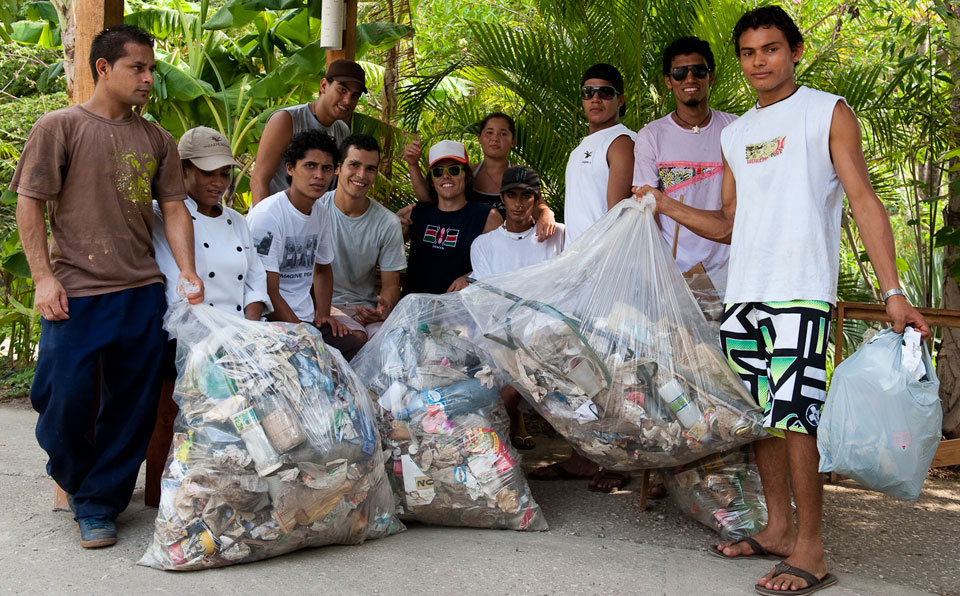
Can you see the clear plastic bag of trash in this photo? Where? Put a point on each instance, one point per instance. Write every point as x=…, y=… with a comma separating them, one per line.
x=444, y=427
x=607, y=342
x=275, y=446
x=881, y=423
x=721, y=491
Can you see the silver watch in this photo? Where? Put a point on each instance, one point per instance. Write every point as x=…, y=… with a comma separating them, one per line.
x=893, y=292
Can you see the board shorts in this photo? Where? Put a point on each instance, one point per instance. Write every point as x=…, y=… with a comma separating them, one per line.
x=779, y=350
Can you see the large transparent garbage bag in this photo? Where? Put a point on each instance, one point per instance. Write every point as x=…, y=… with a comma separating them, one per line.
x=721, y=491
x=881, y=423
x=444, y=428
x=275, y=446
x=608, y=344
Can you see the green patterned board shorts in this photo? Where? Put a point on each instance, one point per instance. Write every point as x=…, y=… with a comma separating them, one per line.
x=779, y=349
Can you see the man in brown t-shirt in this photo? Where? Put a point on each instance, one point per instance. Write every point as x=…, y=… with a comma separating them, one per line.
x=95, y=168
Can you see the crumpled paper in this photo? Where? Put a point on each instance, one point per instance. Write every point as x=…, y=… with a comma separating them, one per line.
x=275, y=446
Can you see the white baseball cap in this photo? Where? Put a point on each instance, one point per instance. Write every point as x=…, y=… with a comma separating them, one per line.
x=447, y=150
x=206, y=148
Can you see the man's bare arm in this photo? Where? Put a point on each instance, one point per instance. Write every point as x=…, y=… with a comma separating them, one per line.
x=846, y=151
x=50, y=299
x=178, y=227
x=281, y=310
x=620, y=161
x=712, y=225
x=276, y=136
x=323, y=297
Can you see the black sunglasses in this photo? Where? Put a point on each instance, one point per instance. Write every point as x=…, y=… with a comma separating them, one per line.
x=605, y=92
x=453, y=170
x=679, y=73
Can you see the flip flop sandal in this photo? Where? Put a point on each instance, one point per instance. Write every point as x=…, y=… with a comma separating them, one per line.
x=608, y=475
x=758, y=551
x=813, y=584
x=523, y=442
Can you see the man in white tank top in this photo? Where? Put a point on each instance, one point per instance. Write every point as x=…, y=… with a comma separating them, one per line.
x=598, y=177
x=600, y=169
x=788, y=161
x=340, y=90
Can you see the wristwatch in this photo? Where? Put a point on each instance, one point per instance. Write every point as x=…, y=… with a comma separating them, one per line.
x=893, y=292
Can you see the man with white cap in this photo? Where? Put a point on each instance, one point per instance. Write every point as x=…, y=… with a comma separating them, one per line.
x=340, y=90
x=441, y=232
x=226, y=259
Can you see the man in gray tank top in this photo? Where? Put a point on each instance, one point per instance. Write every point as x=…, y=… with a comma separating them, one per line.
x=340, y=90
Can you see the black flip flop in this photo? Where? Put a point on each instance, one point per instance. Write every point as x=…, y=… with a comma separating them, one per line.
x=813, y=584
x=758, y=551
x=523, y=442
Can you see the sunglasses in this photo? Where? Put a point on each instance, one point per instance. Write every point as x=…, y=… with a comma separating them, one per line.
x=679, y=73
x=453, y=170
x=605, y=92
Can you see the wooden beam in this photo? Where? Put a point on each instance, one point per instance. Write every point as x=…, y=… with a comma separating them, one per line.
x=948, y=454
x=91, y=17
x=349, y=47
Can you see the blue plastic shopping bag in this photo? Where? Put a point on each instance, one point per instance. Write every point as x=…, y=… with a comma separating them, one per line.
x=881, y=424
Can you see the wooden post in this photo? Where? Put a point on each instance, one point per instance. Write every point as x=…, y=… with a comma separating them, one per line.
x=91, y=17
x=88, y=17
x=349, y=48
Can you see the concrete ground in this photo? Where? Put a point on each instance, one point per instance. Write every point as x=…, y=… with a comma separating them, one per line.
x=597, y=544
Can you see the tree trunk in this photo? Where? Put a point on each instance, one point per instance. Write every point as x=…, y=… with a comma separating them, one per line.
x=948, y=359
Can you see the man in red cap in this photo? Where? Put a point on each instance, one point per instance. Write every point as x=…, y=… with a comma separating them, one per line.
x=330, y=113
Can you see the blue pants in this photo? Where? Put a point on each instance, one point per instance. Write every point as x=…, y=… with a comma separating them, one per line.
x=120, y=336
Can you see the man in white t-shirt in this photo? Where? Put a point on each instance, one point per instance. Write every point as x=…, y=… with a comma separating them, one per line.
x=291, y=233
x=680, y=154
x=512, y=246
x=599, y=170
x=366, y=235
x=788, y=162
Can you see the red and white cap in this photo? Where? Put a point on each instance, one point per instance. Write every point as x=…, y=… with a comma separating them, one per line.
x=447, y=150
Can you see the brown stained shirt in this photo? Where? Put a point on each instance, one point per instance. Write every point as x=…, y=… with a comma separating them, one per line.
x=98, y=177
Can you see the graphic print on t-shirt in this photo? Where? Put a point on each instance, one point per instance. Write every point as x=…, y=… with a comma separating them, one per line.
x=440, y=236
x=134, y=175
x=677, y=175
x=263, y=246
x=761, y=152
x=298, y=252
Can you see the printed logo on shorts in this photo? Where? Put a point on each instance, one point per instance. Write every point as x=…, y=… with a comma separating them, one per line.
x=441, y=236
x=761, y=152
x=813, y=414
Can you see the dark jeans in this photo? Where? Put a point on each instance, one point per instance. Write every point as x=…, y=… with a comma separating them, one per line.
x=120, y=336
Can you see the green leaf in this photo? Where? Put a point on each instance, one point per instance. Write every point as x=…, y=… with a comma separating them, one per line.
x=50, y=75
x=307, y=63
x=8, y=197
x=902, y=265
x=298, y=29
x=272, y=4
x=44, y=11
x=947, y=236
x=178, y=85
x=379, y=36
x=16, y=264
x=231, y=15
x=27, y=31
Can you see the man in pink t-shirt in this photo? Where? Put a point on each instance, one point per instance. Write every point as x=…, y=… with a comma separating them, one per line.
x=680, y=154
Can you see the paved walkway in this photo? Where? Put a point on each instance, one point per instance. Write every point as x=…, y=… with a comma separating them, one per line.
x=598, y=544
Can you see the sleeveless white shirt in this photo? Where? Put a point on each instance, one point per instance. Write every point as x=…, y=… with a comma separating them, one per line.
x=786, y=233
x=587, y=176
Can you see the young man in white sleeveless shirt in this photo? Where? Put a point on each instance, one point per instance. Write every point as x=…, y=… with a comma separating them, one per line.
x=788, y=161
x=600, y=169
x=599, y=173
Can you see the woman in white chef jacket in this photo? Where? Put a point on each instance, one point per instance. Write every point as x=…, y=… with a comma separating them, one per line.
x=225, y=258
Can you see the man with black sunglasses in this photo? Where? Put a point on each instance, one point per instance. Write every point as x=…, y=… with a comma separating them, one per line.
x=599, y=170
x=598, y=177
x=680, y=154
